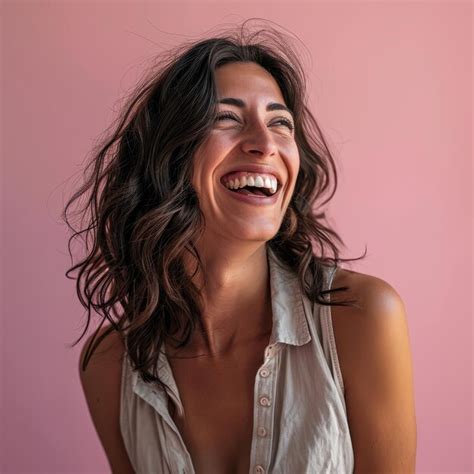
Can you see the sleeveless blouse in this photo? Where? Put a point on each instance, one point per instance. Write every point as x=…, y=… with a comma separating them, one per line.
x=300, y=422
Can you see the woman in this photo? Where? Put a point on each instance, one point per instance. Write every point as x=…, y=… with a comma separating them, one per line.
x=209, y=263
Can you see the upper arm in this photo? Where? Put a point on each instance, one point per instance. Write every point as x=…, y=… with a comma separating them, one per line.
x=375, y=359
x=101, y=383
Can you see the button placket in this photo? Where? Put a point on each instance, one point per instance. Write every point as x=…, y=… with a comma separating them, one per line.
x=264, y=401
x=264, y=372
x=264, y=410
x=269, y=352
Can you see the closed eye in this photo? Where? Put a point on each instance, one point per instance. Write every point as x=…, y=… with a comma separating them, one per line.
x=228, y=115
x=286, y=122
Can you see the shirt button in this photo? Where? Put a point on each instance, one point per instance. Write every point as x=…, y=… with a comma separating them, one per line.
x=259, y=470
x=264, y=401
x=264, y=373
x=261, y=431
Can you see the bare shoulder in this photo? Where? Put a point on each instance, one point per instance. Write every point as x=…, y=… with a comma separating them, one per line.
x=363, y=331
x=374, y=354
x=101, y=384
x=109, y=353
x=369, y=290
x=376, y=300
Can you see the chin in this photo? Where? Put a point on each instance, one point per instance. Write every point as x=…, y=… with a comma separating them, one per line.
x=256, y=234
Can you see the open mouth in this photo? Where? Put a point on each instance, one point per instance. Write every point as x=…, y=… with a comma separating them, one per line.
x=255, y=195
x=254, y=190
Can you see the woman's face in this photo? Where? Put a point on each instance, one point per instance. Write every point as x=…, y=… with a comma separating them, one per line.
x=252, y=141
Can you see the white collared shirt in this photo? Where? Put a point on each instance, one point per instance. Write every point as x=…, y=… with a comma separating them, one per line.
x=300, y=423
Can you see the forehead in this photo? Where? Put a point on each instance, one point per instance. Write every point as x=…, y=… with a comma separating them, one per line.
x=246, y=80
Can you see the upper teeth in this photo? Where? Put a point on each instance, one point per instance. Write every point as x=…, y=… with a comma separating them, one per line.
x=259, y=181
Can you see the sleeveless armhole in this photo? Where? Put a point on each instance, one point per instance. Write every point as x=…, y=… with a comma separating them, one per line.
x=123, y=393
x=126, y=403
x=329, y=340
x=123, y=385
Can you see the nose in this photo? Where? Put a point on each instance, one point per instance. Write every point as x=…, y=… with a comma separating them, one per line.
x=259, y=140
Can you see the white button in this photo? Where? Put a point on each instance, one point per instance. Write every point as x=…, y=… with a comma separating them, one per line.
x=259, y=469
x=264, y=372
x=264, y=401
x=261, y=431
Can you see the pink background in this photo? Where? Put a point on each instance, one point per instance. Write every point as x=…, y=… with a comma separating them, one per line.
x=391, y=86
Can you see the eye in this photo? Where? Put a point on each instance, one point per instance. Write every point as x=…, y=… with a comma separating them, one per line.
x=286, y=122
x=226, y=115
x=229, y=115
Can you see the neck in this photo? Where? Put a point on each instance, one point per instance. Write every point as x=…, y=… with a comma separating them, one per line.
x=235, y=289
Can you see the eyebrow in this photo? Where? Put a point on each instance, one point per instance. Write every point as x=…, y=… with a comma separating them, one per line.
x=270, y=106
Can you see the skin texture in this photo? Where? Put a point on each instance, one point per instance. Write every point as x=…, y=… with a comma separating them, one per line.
x=233, y=245
x=375, y=358
x=101, y=383
x=216, y=387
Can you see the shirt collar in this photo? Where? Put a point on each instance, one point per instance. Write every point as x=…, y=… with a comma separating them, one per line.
x=290, y=307
x=290, y=310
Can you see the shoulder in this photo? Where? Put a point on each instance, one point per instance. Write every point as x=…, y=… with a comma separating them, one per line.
x=374, y=353
x=101, y=384
x=370, y=291
x=372, y=329
x=104, y=365
x=109, y=353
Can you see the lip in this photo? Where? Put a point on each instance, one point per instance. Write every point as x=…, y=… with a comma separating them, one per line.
x=255, y=199
x=254, y=168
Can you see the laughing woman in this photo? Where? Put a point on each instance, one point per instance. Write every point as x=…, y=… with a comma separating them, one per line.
x=234, y=342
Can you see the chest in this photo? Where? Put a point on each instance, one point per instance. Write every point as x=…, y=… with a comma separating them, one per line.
x=218, y=401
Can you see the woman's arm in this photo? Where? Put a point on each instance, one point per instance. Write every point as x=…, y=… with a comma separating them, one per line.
x=375, y=359
x=101, y=385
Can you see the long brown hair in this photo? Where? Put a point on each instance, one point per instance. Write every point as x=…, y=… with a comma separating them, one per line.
x=142, y=214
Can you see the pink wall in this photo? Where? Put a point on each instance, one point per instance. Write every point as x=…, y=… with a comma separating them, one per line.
x=391, y=86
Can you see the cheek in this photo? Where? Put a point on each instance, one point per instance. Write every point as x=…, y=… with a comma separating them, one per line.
x=204, y=162
x=208, y=156
x=293, y=165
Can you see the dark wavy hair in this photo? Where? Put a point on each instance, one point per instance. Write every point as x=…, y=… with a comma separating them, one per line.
x=142, y=214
